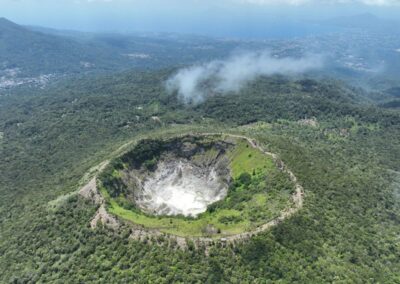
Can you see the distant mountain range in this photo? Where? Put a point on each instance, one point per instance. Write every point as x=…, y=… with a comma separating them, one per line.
x=35, y=53
x=28, y=52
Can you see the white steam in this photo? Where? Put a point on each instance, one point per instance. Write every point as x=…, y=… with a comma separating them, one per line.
x=232, y=74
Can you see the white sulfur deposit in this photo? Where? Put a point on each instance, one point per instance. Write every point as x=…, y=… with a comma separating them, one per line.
x=181, y=187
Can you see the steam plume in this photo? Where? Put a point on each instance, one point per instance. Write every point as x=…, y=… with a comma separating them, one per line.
x=232, y=74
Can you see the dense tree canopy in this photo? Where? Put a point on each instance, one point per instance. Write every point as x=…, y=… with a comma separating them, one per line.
x=348, y=164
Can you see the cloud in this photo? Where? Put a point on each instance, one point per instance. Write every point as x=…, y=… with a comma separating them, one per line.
x=232, y=74
x=316, y=2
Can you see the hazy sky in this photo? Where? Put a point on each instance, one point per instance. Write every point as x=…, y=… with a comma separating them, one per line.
x=213, y=17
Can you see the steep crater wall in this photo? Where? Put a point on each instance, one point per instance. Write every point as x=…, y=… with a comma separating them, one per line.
x=204, y=186
x=179, y=176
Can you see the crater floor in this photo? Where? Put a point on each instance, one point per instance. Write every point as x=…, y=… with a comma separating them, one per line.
x=179, y=187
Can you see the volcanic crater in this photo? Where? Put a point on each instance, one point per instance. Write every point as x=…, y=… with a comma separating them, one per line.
x=180, y=176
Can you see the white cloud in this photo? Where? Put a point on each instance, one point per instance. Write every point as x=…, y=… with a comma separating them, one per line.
x=225, y=76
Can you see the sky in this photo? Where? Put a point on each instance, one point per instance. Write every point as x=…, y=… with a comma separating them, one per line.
x=229, y=18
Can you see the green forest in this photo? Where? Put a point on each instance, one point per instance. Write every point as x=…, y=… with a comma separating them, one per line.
x=347, y=160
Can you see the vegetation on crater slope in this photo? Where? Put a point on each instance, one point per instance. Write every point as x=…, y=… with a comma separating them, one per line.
x=257, y=193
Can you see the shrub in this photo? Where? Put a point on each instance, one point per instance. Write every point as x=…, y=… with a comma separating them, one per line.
x=245, y=178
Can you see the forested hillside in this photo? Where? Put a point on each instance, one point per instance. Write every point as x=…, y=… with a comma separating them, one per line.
x=33, y=51
x=344, y=151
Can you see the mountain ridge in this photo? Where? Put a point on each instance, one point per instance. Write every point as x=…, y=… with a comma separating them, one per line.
x=35, y=53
